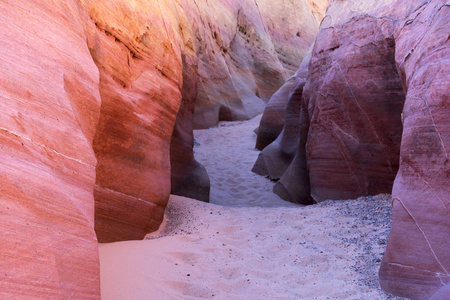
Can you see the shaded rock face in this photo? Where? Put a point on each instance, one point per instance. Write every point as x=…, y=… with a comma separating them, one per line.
x=242, y=56
x=188, y=177
x=417, y=260
x=355, y=99
x=368, y=74
x=276, y=157
x=49, y=107
x=274, y=116
x=348, y=117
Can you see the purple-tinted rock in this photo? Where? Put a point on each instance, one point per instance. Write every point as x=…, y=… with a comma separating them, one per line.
x=417, y=260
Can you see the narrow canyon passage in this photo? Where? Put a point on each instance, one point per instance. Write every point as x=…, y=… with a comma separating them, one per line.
x=228, y=153
x=262, y=248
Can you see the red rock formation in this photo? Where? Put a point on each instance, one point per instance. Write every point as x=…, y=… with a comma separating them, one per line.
x=349, y=135
x=274, y=116
x=355, y=99
x=272, y=121
x=417, y=259
x=90, y=93
x=188, y=177
x=245, y=54
x=140, y=89
x=49, y=107
x=275, y=158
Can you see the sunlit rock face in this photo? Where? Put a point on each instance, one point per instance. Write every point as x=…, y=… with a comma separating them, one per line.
x=97, y=102
x=246, y=50
x=49, y=107
x=373, y=109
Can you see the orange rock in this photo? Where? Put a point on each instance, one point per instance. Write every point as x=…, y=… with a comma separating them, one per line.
x=49, y=107
x=90, y=93
x=246, y=51
x=140, y=82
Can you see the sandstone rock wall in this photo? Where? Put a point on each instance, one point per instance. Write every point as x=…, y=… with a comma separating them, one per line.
x=90, y=95
x=188, y=177
x=49, y=108
x=140, y=83
x=246, y=50
x=376, y=101
x=417, y=259
x=355, y=99
x=243, y=54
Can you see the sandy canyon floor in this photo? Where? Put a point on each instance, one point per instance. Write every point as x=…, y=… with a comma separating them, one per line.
x=248, y=243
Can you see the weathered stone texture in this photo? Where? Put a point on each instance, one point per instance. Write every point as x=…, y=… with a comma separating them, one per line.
x=417, y=259
x=375, y=106
x=90, y=97
x=49, y=108
x=246, y=50
x=140, y=83
x=188, y=177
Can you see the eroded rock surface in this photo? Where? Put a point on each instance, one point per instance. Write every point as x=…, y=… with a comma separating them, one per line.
x=371, y=70
x=417, y=259
x=188, y=177
x=246, y=50
x=355, y=99
x=90, y=97
x=49, y=108
x=140, y=87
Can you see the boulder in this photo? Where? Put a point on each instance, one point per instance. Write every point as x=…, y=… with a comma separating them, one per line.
x=355, y=98
x=274, y=116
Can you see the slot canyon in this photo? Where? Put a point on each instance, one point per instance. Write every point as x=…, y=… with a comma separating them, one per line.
x=225, y=149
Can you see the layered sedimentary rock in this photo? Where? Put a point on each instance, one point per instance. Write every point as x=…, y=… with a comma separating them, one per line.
x=368, y=74
x=417, y=259
x=246, y=50
x=188, y=177
x=49, y=108
x=243, y=55
x=276, y=157
x=140, y=83
x=229, y=59
x=343, y=134
x=90, y=95
x=355, y=99
x=273, y=118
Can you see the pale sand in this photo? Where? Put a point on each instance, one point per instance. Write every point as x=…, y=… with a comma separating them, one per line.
x=228, y=154
x=326, y=251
